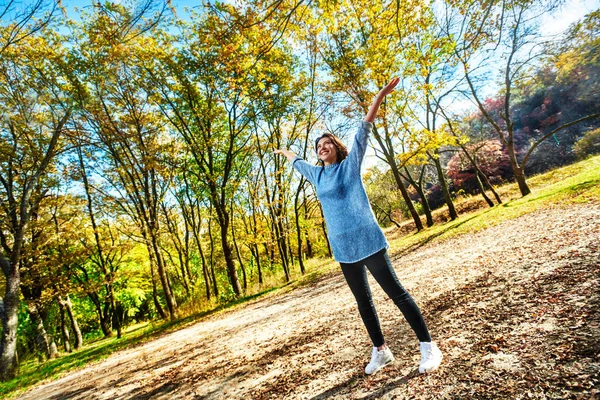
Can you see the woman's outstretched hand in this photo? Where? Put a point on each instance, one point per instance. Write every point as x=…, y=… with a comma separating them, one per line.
x=288, y=154
x=387, y=89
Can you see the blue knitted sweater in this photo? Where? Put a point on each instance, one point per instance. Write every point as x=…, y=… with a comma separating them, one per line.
x=354, y=233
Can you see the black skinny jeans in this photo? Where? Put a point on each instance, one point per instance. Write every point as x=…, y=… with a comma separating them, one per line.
x=380, y=266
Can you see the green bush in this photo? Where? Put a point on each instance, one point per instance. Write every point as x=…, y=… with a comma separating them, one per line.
x=588, y=144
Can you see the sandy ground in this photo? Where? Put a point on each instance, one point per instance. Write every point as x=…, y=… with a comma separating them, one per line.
x=514, y=308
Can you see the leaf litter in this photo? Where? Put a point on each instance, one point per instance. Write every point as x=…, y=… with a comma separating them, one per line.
x=515, y=309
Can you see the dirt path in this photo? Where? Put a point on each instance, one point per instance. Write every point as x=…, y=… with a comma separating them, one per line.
x=516, y=310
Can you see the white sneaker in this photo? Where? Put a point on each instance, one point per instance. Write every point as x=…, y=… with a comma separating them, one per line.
x=379, y=359
x=431, y=357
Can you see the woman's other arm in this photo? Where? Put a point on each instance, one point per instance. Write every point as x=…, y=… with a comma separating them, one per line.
x=288, y=154
x=305, y=169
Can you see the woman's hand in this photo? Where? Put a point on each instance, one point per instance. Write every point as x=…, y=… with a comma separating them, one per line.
x=387, y=89
x=288, y=154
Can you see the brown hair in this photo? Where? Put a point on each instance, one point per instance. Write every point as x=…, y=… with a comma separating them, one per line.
x=341, y=150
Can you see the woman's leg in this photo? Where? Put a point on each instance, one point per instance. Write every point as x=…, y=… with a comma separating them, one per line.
x=380, y=267
x=356, y=277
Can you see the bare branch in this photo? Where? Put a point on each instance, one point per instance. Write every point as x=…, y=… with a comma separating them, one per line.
x=24, y=21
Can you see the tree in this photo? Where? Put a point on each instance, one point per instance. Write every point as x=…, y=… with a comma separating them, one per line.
x=477, y=160
x=129, y=131
x=99, y=273
x=192, y=211
x=275, y=104
x=588, y=144
x=35, y=110
x=507, y=29
x=20, y=21
x=204, y=90
x=52, y=247
x=490, y=152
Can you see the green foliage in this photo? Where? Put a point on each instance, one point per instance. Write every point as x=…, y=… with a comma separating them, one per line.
x=589, y=144
x=86, y=315
x=580, y=49
x=25, y=334
x=384, y=196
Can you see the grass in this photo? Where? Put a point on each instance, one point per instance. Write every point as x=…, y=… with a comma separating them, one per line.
x=577, y=183
x=574, y=184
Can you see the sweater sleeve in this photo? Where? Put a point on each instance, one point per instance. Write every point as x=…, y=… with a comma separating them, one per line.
x=361, y=139
x=306, y=170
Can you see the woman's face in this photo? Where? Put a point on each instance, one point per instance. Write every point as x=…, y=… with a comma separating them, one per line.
x=327, y=151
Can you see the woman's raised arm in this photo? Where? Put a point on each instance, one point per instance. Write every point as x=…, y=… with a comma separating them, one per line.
x=370, y=117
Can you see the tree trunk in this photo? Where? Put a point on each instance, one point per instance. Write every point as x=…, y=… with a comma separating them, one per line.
x=479, y=174
x=239, y=257
x=63, y=327
x=179, y=247
x=258, y=266
x=298, y=228
x=203, y=260
x=205, y=273
x=277, y=215
x=10, y=319
x=290, y=252
x=325, y=231
x=157, y=305
x=223, y=219
x=74, y=325
x=425, y=204
x=212, y=260
x=309, y=248
x=491, y=187
x=517, y=170
x=405, y=195
x=281, y=246
x=162, y=274
x=116, y=318
x=444, y=185
x=193, y=219
x=418, y=185
x=227, y=254
x=41, y=336
x=482, y=190
x=256, y=252
x=105, y=318
x=390, y=159
x=192, y=278
x=102, y=317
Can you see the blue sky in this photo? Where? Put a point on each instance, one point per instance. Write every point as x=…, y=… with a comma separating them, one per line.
x=571, y=11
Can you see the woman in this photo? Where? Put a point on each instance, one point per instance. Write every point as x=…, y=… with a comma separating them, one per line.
x=356, y=238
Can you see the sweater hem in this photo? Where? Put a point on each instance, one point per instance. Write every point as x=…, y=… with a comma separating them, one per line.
x=387, y=246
